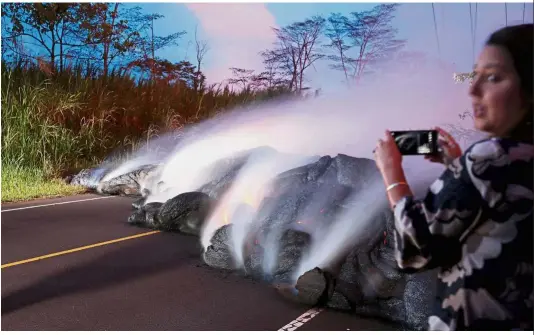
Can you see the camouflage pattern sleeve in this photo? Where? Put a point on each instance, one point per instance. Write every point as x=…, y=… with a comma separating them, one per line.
x=428, y=231
x=475, y=224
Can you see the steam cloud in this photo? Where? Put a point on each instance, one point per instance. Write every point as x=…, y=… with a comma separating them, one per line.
x=348, y=122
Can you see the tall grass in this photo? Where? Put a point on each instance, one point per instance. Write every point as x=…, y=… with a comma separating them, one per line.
x=58, y=123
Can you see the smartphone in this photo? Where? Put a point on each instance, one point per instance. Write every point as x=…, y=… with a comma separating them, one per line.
x=416, y=142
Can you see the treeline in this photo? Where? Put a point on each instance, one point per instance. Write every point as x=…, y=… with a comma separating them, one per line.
x=357, y=44
x=85, y=78
x=114, y=39
x=103, y=38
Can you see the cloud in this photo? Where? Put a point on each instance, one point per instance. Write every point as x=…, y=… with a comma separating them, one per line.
x=236, y=34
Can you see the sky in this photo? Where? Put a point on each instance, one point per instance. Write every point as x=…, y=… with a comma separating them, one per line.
x=237, y=32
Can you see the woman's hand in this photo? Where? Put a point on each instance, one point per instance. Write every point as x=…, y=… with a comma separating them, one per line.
x=450, y=150
x=388, y=159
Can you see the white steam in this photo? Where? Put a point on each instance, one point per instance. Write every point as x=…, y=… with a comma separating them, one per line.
x=349, y=122
x=248, y=188
x=347, y=229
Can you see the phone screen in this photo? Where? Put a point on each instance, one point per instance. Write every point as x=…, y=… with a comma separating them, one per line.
x=416, y=142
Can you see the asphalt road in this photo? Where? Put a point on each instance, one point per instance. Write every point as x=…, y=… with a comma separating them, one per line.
x=153, y=282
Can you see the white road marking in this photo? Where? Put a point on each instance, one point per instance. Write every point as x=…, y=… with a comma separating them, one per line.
x=55, y=203
x=301, y=320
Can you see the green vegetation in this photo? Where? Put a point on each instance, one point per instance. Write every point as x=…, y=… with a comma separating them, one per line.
x=25, y=183
x=55, y=125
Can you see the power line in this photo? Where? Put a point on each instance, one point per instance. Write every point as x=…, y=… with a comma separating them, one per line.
x=475, y=28
x=472, y=32
x=436, y=29
x=506, y=14
x=476, y=16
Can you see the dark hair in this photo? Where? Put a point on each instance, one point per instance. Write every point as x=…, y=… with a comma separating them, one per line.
x=517, y=40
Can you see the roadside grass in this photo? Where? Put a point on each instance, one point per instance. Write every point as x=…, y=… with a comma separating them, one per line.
x=52, y=125
x=20, y=184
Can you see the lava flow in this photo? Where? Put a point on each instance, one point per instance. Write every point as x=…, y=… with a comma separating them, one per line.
x=316, y=155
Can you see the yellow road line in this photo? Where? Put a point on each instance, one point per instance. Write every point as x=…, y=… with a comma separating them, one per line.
x=79, y=249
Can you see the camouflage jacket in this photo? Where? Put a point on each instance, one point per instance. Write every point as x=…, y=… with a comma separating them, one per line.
x=475, y=225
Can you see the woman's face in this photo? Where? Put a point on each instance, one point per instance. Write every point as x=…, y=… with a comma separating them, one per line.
x=496, y=92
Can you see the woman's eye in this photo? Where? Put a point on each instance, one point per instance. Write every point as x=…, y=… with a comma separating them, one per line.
x=492, y=78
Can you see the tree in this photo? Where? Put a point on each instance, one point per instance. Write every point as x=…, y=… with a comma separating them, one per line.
x=103, y=34
x=163, y=70
x=337, y=32
x=271, y=77
x=295, y=50
x=107, y=34
x=363, y=40
x=241, y=77
x=148, y=43
x=111, y=35
x=248, y=80
x=53, y=29
x=201, y=48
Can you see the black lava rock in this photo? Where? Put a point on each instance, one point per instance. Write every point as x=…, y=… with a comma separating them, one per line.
x=299, y=206
x=145, y=216
x=185, y=213
x=219, y=254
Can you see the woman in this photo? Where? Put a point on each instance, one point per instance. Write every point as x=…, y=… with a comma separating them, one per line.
x=475, y=223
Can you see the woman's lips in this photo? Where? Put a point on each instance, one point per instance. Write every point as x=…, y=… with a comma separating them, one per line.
x=479, y=111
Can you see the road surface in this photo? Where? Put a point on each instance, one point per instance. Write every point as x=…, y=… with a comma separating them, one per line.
x=152, y=281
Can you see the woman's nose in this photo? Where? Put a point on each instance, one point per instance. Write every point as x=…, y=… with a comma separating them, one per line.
x=474, y=88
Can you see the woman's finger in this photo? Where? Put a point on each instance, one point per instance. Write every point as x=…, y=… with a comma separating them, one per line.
x=448, y=145
x=446, y=136
x=388, y=135
x=444, y=139
x=379, y=143
x=441, y=130
x=433, y=158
